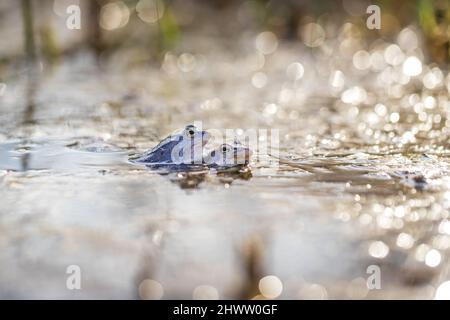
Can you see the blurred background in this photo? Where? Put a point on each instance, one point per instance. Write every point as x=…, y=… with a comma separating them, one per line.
x=362, y=180
x=149, y=29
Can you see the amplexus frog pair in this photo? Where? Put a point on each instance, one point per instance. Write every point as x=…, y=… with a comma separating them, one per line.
x=185, y=151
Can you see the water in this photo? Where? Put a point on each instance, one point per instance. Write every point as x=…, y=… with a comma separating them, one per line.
x=362, y=180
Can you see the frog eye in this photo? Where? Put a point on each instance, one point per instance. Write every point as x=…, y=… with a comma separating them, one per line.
x=225, y=148
x=190, y=132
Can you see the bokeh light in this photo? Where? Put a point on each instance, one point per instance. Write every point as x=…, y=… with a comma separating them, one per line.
x=114, y=15
x=150, y=11
x=270, y=287
x=150, y=289
x=205, y=292
x=443, y=291
x=266, y=42
x=378, y=249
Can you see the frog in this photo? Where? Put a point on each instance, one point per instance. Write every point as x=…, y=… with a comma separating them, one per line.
x=180, y=151
x=228, y=157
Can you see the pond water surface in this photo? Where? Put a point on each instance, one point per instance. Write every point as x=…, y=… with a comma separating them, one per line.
x=363, y=179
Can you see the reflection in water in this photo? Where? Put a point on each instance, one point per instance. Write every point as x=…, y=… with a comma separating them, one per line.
x=24, y=162
x=188, y=180
x=45, y=155
x=32, y=78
